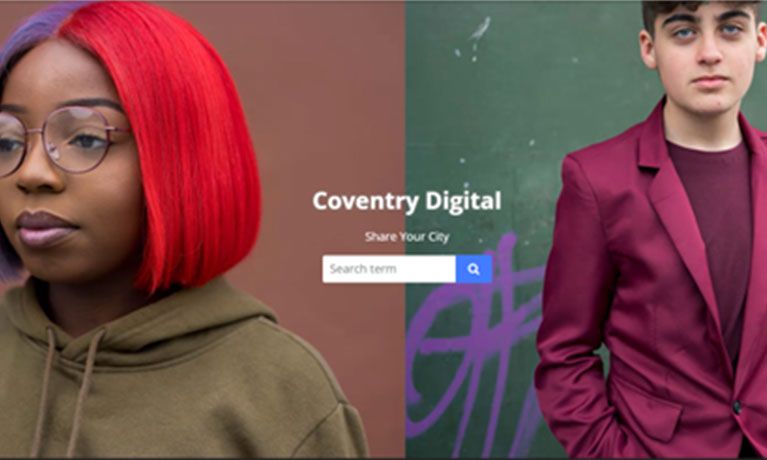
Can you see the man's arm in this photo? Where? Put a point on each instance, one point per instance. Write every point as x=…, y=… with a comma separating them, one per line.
x=577, y=291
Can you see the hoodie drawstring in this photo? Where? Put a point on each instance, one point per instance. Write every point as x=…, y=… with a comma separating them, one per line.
x=35, y=451
x=89, y=363
x=83, y=392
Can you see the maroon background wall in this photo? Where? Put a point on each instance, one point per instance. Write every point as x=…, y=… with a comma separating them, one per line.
x=323, y=89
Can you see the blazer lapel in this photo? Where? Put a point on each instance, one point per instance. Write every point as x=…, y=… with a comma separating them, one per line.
x=669, y=198
x=670, y=201
x=756, y=296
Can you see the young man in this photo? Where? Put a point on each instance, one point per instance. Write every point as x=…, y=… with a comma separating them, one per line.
x=660, y=253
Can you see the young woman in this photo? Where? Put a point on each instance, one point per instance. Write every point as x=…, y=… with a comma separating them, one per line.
x=128, y=186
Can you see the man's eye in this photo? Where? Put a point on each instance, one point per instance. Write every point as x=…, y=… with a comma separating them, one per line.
x=683, y=33
x=731, y=29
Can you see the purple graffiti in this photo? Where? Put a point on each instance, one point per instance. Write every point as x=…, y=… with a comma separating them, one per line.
x=482, y=343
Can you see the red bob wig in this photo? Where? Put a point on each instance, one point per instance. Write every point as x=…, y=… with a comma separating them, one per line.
x=197, y=160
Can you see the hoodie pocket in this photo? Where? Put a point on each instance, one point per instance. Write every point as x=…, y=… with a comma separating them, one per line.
x=656, y=417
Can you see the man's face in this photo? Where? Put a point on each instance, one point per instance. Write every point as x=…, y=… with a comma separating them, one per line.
x=705, y=58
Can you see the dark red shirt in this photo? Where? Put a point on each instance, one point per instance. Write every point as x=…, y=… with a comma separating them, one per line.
x=718, y=186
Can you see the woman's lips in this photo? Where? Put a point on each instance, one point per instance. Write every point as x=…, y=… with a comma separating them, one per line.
x=42, y=237
x=41, y=229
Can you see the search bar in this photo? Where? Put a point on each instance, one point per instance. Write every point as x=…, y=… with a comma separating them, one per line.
x=407, y=269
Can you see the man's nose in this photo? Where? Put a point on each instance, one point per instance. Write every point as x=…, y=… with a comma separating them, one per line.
x=709, y=52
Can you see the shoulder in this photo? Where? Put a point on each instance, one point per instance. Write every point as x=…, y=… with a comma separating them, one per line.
x=11, y=339
x=265, y=361
x=5, y=322
x=286, y=357
x=11, y=299
x=613, y=152
x=610, y=167
x=277, y=386
x=762, y=135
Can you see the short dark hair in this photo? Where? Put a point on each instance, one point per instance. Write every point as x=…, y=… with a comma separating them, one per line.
x=652, y=9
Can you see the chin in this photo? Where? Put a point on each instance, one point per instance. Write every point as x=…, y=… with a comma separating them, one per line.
x=712, y=106
x=57, y=272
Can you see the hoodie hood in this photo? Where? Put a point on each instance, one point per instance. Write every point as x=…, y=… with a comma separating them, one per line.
x=168, y=329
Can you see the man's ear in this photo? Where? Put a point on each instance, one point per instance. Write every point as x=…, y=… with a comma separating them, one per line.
x=647, y=49
x=761, y=41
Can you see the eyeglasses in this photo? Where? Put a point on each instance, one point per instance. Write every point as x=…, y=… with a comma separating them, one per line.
x=76, y=139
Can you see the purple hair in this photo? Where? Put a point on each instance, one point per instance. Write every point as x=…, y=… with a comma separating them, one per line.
x=37, y=28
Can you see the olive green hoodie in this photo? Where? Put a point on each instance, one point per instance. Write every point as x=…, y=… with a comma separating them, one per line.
x=204, y=372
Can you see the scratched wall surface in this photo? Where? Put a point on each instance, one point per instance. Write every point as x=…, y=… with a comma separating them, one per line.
x=496, y=95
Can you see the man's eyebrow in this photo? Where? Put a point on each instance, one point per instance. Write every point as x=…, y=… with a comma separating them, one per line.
x=93, y=102
x=12, y=108
x=732, y=14
x=682, y=17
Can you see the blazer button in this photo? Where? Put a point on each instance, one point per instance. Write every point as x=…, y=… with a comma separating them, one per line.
x=736, y=407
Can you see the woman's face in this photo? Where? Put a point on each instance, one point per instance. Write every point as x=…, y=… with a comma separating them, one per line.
x=102, y=208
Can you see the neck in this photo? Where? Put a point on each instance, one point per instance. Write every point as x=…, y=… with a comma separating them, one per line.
x=79, y=308
x=701, y=132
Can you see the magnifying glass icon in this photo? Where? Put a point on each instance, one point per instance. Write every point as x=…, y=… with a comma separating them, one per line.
x=473, y=269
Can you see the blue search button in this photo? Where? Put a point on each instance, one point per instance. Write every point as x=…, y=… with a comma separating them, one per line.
x=473, y=269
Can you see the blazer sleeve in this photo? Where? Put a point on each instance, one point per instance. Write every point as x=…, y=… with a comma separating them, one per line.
x=577, y=292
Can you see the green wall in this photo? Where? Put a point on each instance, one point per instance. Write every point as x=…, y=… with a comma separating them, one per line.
x=546, y=78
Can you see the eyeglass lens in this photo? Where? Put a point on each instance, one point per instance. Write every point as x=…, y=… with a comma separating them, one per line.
x=76, y=139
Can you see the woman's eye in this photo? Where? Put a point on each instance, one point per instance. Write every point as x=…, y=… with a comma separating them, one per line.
x=9, y=145
x=85, y=141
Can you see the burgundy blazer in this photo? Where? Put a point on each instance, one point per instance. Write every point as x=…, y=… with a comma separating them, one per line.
x=628, y=268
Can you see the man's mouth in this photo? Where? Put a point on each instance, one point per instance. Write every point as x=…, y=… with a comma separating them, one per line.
x=710, y=82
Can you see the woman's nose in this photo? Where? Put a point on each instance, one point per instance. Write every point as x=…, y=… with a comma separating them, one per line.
x=37, y=173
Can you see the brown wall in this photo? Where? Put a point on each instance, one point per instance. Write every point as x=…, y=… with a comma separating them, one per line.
x=323, y=89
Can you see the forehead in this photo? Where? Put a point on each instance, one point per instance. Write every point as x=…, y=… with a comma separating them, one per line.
x=55, y=71
x=708, y=11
